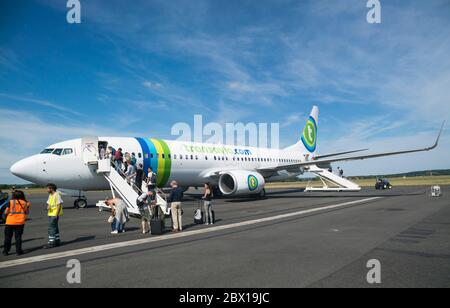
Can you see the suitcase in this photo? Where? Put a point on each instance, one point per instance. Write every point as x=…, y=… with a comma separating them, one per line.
x=213, y=217
x=156, y=223
x=196, y=220
x=156, y=226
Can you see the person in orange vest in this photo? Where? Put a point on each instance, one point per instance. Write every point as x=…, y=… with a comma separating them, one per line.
x=16, y=215
x=55, y=211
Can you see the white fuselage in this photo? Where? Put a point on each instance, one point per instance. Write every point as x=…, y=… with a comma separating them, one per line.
x=190, y=164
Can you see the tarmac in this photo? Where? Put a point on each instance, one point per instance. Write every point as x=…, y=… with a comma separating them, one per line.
x=290, y=239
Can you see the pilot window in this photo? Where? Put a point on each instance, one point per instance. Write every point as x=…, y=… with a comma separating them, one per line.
x=67, y=152
x=57, y=151
x=47, y=151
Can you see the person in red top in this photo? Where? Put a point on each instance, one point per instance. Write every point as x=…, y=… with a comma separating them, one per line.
x=118, y=160
x=16, y=215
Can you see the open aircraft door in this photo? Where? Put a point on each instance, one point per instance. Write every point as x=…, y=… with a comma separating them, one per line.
x=89, y=150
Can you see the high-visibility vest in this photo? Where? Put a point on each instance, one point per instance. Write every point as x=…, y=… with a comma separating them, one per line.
x=53, y=205
x=17, y=214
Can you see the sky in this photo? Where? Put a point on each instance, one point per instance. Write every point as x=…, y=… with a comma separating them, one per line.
x=135, y=68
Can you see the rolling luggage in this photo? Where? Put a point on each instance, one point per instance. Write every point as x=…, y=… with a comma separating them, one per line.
x=198, y=216
x=213, y=217
x=156, y=223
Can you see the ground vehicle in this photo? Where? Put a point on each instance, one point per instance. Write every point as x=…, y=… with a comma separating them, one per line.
x=383, y=184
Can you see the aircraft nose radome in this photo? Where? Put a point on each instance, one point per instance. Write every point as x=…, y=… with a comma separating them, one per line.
x=24, y=169
x=18, y=169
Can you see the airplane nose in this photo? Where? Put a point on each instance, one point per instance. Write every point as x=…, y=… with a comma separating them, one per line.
x=25, y=169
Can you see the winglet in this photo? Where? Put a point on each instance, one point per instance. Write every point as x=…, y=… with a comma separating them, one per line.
x=438, y=137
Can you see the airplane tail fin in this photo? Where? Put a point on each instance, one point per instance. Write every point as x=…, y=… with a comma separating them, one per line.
x=308, y=139
x=309, y=136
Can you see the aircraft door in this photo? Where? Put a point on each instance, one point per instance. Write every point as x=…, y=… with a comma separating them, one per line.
x=89, y=150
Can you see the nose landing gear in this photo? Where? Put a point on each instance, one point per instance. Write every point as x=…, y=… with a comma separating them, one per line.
x=80, y=203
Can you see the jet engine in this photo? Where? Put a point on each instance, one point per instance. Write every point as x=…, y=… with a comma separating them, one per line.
x=241, y=182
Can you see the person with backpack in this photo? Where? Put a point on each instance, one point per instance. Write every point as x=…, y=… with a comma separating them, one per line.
x=145, y=203
x=16, y=216
x=151, y=179
x=207, y=205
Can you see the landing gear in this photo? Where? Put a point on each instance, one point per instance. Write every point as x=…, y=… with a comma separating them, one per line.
x=216, y=192
x=262, y=194
x=80, y=203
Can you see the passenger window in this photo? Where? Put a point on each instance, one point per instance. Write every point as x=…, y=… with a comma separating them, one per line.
x=206, y=157
x=139, y=155
x=174, y=156
x=57, y=151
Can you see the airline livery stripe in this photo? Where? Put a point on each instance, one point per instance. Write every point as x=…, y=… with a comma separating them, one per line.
x=167, y=163
x=145, y=152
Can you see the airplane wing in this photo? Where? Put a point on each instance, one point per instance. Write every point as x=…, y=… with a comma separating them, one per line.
x=349, y=158
x=338, y=154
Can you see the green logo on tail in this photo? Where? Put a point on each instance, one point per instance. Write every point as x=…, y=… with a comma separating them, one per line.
x=309, y=137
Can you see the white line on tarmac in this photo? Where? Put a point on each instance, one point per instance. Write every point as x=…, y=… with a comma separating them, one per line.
x=99, y=248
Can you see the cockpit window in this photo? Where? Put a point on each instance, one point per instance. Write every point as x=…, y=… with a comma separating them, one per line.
x=47, y=151
x=67, y=152
x=57, y=151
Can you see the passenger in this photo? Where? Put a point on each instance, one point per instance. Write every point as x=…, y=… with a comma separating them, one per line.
x=127, y=157
x=175, y=197
x=143, y=202
x=120, y=213
x=130, y=173
x=55, y=211
x=16, y=215
x=151, y=179
x=139, y=176
x=133, y=159
x=102, y=153
x=118, y=160
x=207, y=206
x=109, y=152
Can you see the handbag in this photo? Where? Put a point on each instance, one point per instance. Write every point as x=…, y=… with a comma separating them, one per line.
x=111, y=219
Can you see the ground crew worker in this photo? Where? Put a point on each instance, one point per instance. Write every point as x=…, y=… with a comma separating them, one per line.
x=55, y=211
x=175, y=197
x=16, y=215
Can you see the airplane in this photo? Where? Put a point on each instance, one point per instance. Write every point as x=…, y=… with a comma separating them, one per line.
x=232, y=170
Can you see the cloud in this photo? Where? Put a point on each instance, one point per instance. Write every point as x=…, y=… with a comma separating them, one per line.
x=294, y=118
x=40, y=102
x=152, y=85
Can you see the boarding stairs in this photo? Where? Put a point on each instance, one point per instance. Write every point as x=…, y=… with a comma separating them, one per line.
x=331, y=181
x=128, y=192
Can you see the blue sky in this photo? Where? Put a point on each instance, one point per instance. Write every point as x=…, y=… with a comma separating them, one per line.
x=136, y=68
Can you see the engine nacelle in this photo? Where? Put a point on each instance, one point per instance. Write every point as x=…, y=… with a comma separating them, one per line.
x=241, y=182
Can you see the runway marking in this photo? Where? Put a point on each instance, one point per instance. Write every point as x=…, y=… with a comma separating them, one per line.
x=99, y=248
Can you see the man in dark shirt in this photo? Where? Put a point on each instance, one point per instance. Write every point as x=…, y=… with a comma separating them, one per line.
x=139, y=177
x=175, y=197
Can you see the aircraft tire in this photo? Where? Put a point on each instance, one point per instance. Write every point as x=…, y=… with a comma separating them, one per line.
x=80, y=203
